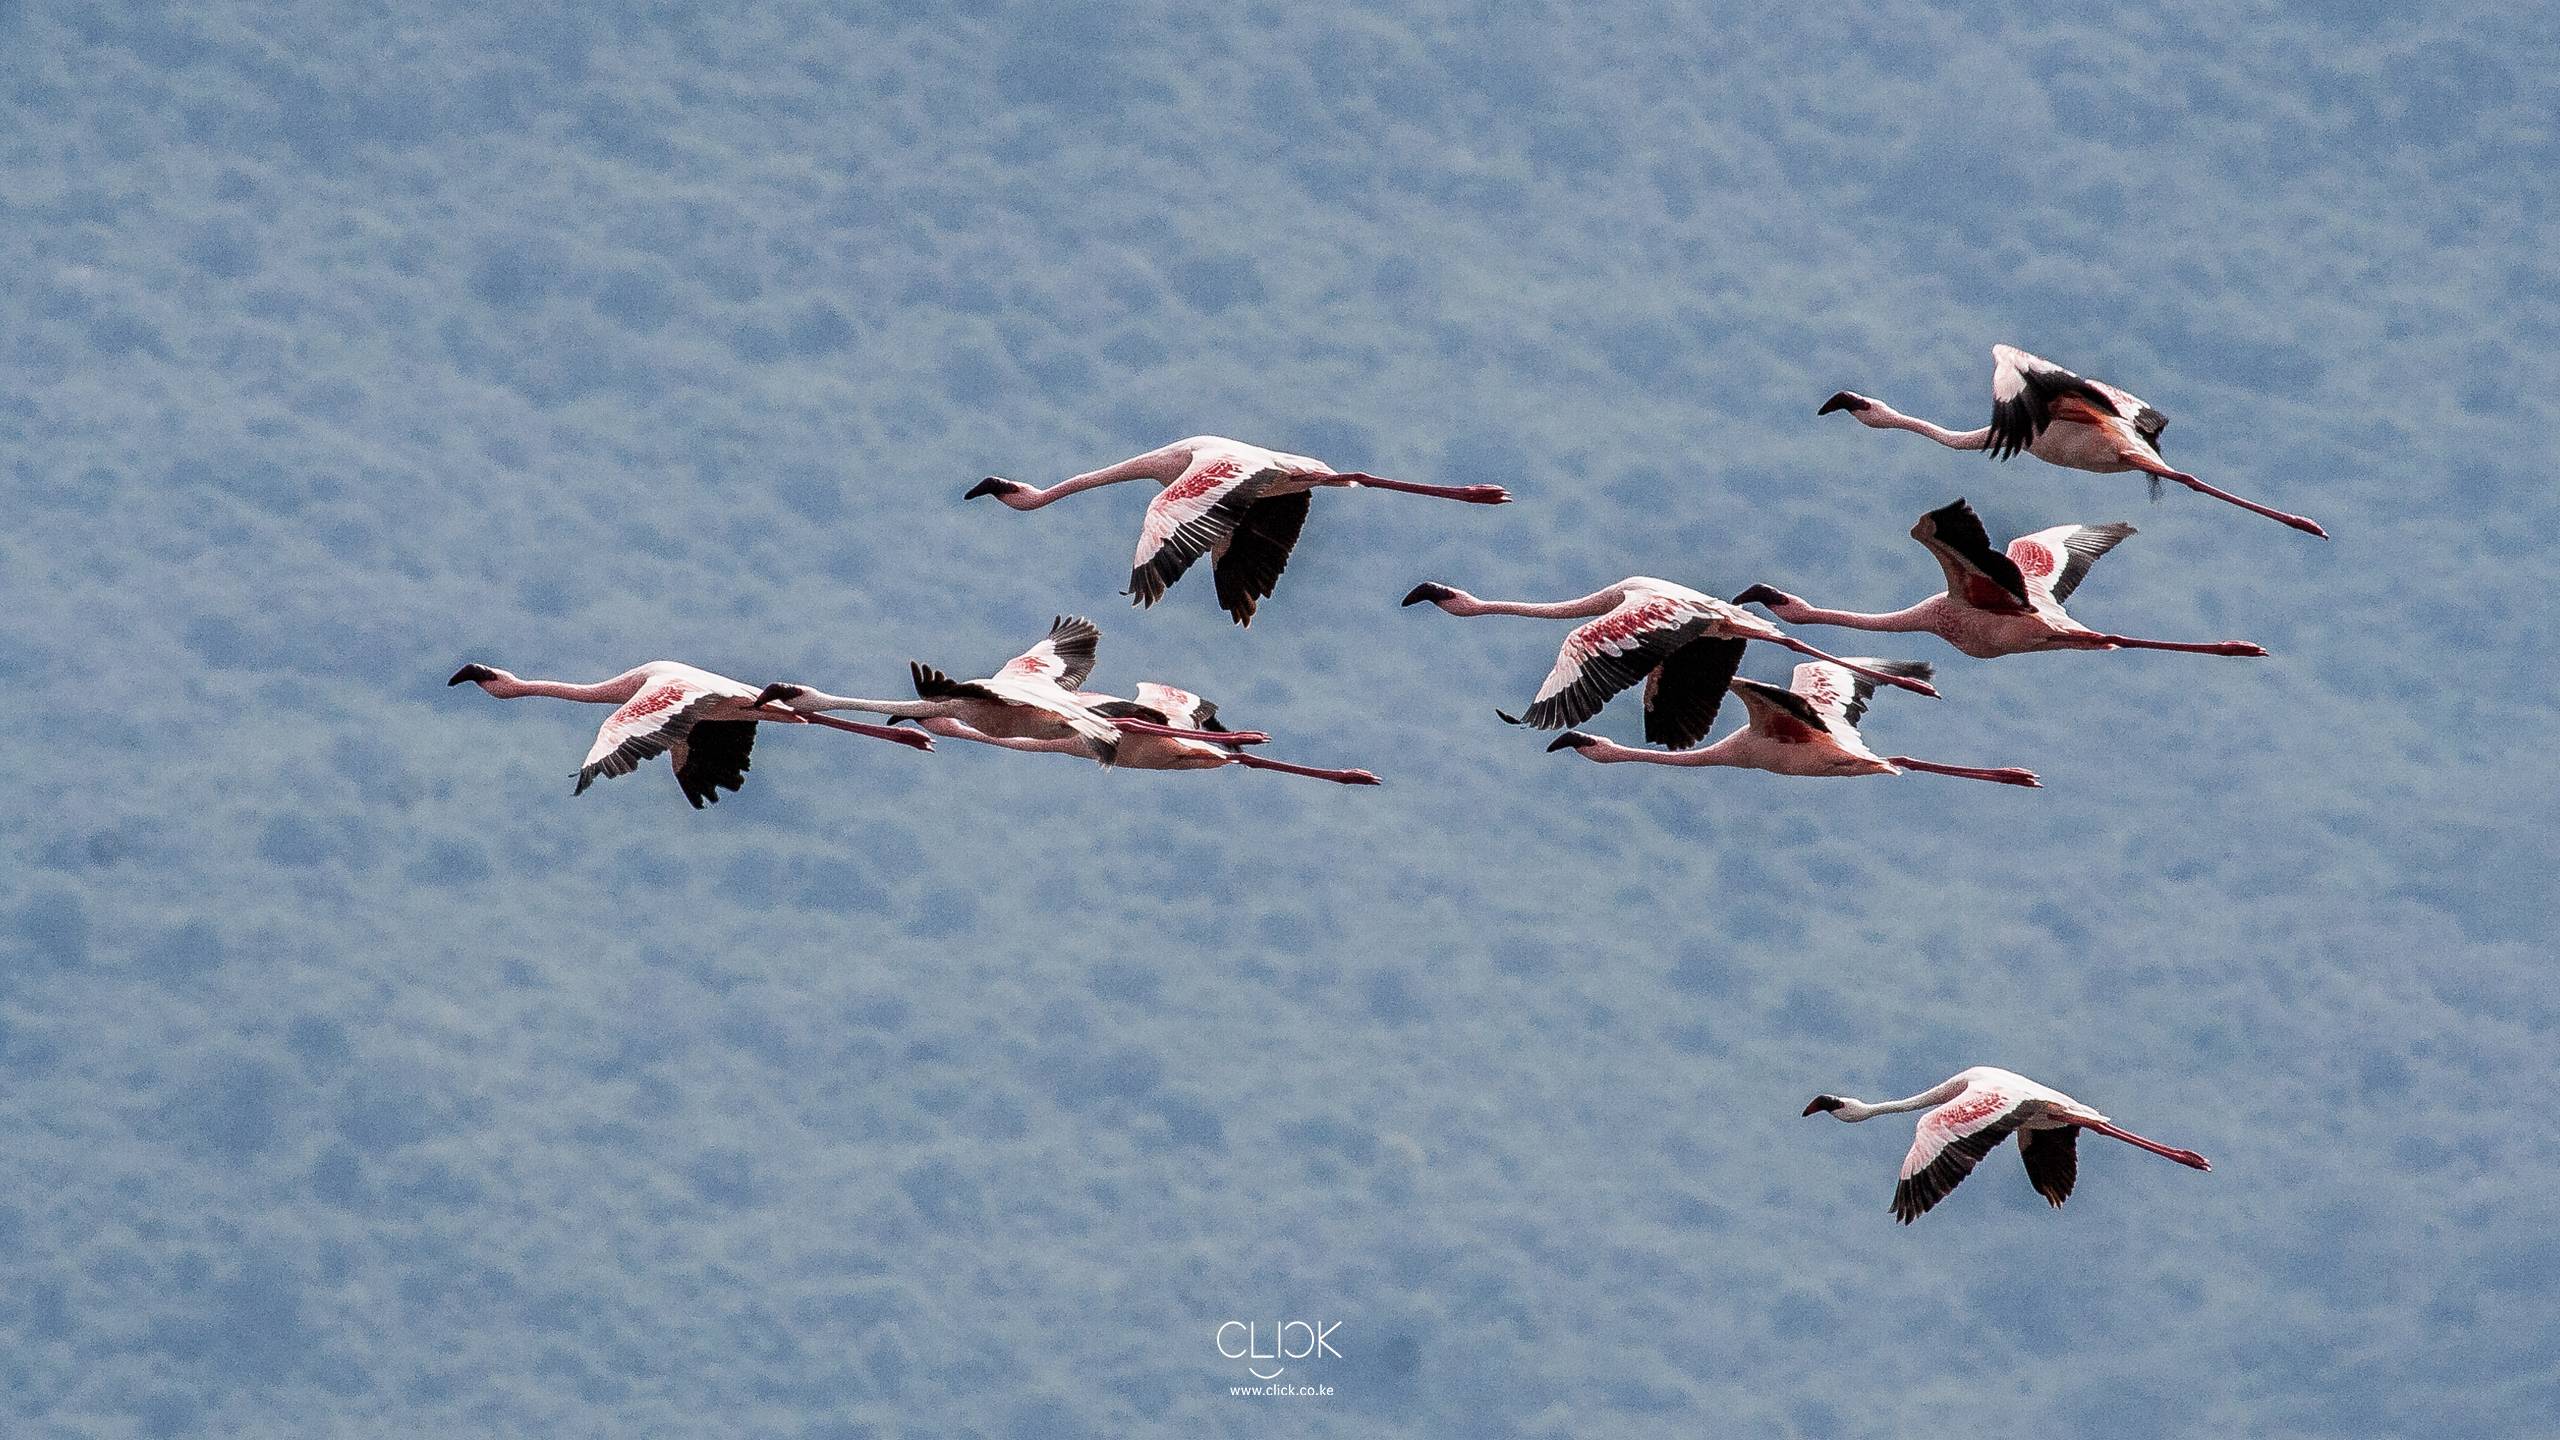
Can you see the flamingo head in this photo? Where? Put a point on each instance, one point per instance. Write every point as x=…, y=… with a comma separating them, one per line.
x=1429, y=590
x=997, y=486
x=1846, y=400
x=474, y=674
x=779, y=696
x=1764, y=595
x=1572, y=740
x=1820, y=1103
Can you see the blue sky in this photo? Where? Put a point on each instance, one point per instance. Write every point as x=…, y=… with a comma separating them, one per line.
x=359, y=1078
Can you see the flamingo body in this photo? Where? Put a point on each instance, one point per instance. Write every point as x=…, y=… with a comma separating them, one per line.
x=1970, y=1114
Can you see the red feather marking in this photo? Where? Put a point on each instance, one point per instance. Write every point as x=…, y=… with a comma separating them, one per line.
x=653, y=702
x=1972, y=1108
x=1203, y=480
x=1611, y=630
x=2034, y=561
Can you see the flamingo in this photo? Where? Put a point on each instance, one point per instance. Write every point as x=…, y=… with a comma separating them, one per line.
x=704, y=723
x=1031, y=698
x=1150, y=751
x=1976, y=1110
x=1809, y=729
x=2054, y=415
x=1997, y=604
x=1240, y=503
x=1646, y=627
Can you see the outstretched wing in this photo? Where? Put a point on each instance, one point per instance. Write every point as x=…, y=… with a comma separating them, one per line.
x=1839, y=695
x=1613, y=652
x=2058, y=559
x=1781, y=715
x=1977, y=575
x=1684, y=692
x=2053, y=1160
x=2029, y=393
x=1192, y=516
x=1953, y=1139
x=1065, y=655
x=1249, y=565
x=648, y=725
x=712, y=757
x=1180, y=708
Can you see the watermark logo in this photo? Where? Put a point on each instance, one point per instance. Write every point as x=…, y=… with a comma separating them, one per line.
x=1267, y=1348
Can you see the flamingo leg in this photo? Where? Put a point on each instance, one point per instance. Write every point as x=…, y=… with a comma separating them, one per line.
x=2149, y=466
x=1338, y=777
x=912, y=739
x=2216, y=647
x=1213, y=737
x=1471, y=494
x=2004, y=775
x=1903, y=682
x=2188, y=1158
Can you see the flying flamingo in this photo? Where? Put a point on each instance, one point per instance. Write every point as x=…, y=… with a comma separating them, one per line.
x=1162, y=704
x=1811, y=729
x=1975, y=1111
x=1240, y=503
x=2054, y=415
x=1646, y=627
x=705, y=723
x=1032, y=697
x=1997, y=604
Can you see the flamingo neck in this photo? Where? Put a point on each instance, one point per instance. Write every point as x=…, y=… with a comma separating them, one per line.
x=950, y=728
x=1164, y=466
x=1597, y=603
x=1724, y=752
x=1856, y=1110
x=1912, y=618
x=604, y=692
x=1881, y=416
x=897, y=709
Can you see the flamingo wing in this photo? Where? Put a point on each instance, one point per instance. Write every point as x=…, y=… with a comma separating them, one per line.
x=1977, y=574
x=2029, y=393
x=1194, y=515
x=712, y=757
x=2058, y=559
x=1613, y=652
x=1180, y=708
x=648, y=725
x=1780, y=714
x=1249, y=564
x=1952, y=1140
x=1064, y=656
x=2053, y=1160
x=1839, y=695
x=1684, y=692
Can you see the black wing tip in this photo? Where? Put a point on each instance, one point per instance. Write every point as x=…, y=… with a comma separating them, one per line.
x=1510, y=719
x=472, y=674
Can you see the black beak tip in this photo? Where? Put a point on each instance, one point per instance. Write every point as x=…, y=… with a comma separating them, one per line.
x=1427, y=590
x=1843, y=401
x=992, y=485
x=1760, y=595
x=1820, y=1103
x=471, y=674
x=1569, y=740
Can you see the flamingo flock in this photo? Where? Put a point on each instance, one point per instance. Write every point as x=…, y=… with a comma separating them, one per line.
x=1243, y=508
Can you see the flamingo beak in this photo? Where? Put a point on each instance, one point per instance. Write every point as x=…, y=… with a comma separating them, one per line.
x=1571, y=740
x=1844, y=401
x=1428, y=590
x=992, y=485
x=472, y=674
x=1820, y=1103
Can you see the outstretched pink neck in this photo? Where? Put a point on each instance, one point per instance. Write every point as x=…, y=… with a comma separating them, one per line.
x=1164, y=466
x=1880, y=416
x=604, y=692
x=1610, y=752
x=1915, y=618
x=1599, y=602
x=1856, y=1110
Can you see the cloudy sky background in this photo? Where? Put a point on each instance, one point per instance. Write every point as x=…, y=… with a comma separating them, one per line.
x=360, y=1080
